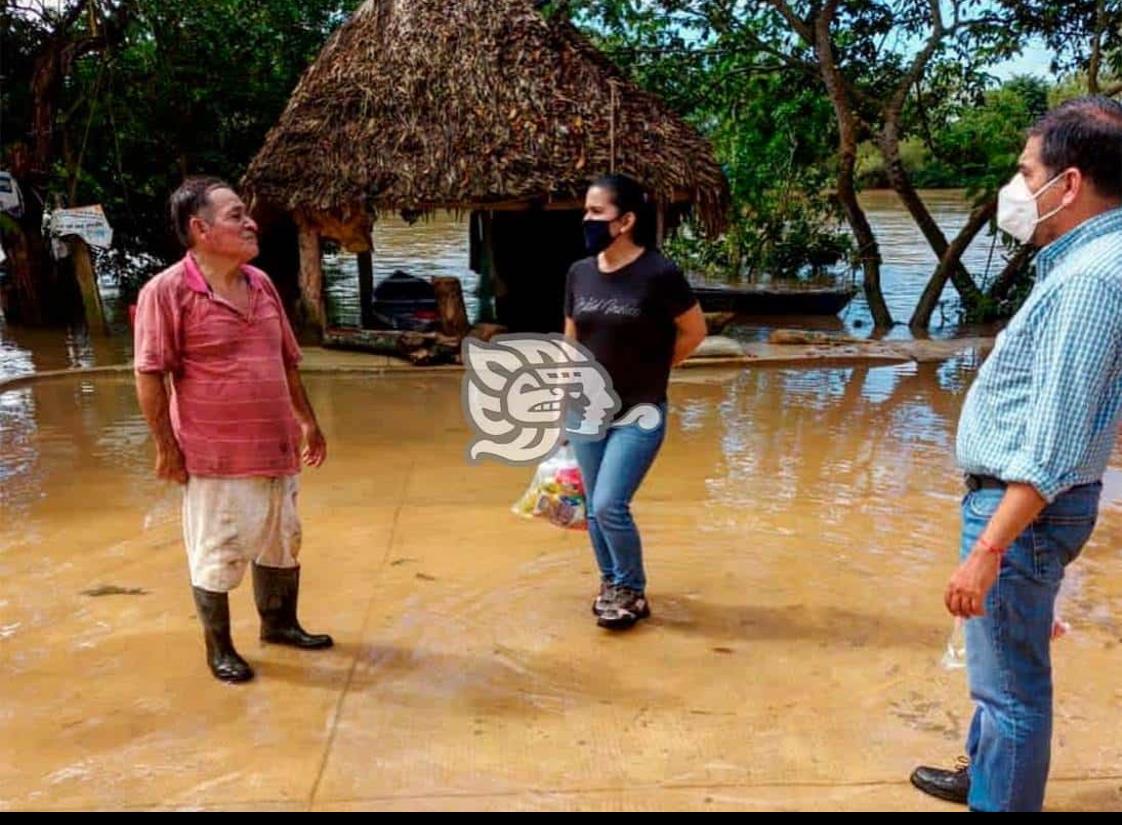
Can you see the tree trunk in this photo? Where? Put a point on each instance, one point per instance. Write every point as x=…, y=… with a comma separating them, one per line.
x=366, y=289
x=1095, y=63
x=87, y=285
x=26, y=255
x=31, y=264
x=950, y=261
x=313, y=315
x=867, y=248
x=1010, y=276
x=902, y=185
x=421, y=348
x=38, y=296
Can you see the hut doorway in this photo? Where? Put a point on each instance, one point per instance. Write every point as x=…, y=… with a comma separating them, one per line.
x=523, y=257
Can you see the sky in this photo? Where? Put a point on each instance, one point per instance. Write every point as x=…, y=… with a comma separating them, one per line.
x=1033, y=60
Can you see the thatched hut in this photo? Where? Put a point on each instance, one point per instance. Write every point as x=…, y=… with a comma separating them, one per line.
x=474, y=106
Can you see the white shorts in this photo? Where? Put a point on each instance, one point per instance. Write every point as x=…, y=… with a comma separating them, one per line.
x=229, y=522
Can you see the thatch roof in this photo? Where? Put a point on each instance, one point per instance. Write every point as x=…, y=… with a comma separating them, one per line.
x=420, y=105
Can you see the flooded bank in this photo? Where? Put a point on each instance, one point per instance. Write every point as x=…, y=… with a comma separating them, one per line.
x=439, y=246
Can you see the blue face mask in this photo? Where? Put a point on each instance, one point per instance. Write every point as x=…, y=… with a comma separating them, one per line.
x=597, y=236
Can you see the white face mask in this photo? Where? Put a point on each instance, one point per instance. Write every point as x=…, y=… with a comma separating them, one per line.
x=1016, y=207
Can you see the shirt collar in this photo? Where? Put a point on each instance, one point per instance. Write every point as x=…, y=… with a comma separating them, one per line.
x=1054, y=253
x=193, y=276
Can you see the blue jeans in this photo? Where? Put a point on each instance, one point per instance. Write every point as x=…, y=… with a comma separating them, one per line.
x=1008, y=650
x=613, y=468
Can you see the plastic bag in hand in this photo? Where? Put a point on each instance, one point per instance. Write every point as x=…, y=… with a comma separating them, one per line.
x=556, y=492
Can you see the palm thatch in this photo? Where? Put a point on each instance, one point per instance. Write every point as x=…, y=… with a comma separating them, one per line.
x=418, y=105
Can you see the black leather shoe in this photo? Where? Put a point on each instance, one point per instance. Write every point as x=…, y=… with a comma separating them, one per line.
x=952, y=786
x=275, y=590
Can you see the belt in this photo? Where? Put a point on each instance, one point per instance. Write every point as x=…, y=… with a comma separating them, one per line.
x=977, y=482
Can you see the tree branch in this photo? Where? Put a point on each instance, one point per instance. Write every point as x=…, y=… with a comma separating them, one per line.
x=790, y=60
x=1001, y=287
x=1096, y=48
x=801, y=27
x=919, y=64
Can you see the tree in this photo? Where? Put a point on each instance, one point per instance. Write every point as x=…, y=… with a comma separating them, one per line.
x=41, y=47
x=772, y=132
x=871, y=85
x=1085, y=37
x=139, y=94
x=871, y=59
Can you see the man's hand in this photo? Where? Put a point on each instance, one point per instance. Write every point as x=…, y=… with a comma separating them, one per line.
x=169, y=463
x=966, y=592
x=315, y=445
x=152, y=395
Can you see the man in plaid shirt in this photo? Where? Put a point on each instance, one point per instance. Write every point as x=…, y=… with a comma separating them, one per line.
x=1034, y=438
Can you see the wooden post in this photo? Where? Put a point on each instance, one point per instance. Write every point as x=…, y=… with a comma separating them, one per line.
x=660, y=227
x=312, y=307
x=87, y=283
x=450, y=305
x=489, y=283
x=7, y=294
x=366, y=289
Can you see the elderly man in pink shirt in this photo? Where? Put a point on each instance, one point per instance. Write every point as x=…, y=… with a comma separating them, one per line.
x=217, y=380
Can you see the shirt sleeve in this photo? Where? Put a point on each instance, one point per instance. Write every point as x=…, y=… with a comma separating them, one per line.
x=569, y=283
x=677, y=294
x=156, y=340
x=1077, y=350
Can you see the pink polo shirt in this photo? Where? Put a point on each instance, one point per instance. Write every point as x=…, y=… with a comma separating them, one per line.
x=230, y=407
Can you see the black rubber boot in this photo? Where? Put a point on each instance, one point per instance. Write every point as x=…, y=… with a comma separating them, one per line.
x=214, y=613
x=276, y=590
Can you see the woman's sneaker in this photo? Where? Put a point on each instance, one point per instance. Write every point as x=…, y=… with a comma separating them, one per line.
x=627, y=607
x=604, y=599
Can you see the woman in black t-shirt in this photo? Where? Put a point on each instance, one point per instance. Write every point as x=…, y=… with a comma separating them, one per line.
x=633, y=309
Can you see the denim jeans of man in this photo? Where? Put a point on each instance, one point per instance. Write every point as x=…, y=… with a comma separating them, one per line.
x=613, y=468
x=1008, y=650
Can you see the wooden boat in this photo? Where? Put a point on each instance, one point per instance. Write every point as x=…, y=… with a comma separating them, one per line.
x=774, y=299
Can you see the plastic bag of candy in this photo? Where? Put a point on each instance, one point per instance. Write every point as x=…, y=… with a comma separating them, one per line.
x=556, y=492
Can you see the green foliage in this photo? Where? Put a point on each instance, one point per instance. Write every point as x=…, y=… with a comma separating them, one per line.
x=192, y=88
x=771, y=129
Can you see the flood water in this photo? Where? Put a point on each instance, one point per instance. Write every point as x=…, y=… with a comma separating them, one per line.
x=799, y=527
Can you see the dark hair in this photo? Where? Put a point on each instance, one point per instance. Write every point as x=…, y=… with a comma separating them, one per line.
x=191, y=198
x=629, y=195
x=1085, y=133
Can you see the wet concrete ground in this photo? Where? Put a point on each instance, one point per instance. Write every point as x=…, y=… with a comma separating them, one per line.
x=799, y=526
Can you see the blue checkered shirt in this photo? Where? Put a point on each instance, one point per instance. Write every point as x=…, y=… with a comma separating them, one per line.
x=1044, y=408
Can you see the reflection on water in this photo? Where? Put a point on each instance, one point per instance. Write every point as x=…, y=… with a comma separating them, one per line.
x=765, y=445
x=812, y=438
x=24, y=351
x=69, y=444
x=439, y=246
